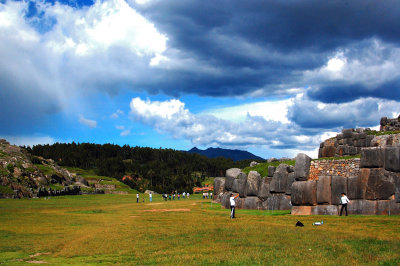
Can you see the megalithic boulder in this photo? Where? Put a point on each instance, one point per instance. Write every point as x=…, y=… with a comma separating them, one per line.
x=302, y=167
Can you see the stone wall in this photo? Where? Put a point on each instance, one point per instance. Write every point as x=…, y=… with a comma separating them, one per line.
x=264, y=193
x=349, y=142
x=341, y=167
x=374, y=190
x=388, y=124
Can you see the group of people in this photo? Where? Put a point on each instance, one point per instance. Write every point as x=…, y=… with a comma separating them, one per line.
x=207, y=195
x=172, y=196
x=344, y=200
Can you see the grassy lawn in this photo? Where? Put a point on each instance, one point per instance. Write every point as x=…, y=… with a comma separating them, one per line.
x=114, y=229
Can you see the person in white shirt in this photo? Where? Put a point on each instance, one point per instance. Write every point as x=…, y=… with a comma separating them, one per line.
x=233, y=204
x=344, y=200
x=187, y=195
x=151, y=197
x=137, y=198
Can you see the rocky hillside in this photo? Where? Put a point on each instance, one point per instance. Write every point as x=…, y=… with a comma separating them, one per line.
x=22, y=175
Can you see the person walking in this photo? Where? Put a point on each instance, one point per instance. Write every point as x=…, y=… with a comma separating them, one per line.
x=233, y=204
x=344, y=200
x=150, y=197
x=137, y=197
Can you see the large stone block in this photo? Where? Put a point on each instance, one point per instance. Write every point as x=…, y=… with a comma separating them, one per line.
x=271, y=170
x=324, y=190
x=231, y=175
x=339, y=186
x=328, y=151
x=252, y=203
x=392, y=159
x=347, y=133
x=302, y=167
x=219, y=188
x=240, y=203
x=239, y=185
x=225, y=200
x=304, y=193
x=325, y=210
x=372, y=157
x=387, y=207
x=357, y=185
x=363, y=207
x=380, y=186
x=301, y=210
x=280, y=179
x=253, y=183
x=290, y=181
x=285, y=202
x=235, y=186
x=263, y=192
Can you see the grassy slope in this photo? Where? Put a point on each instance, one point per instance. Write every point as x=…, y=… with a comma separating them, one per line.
x=114, y=229
x=91, y=177
x=262, y=168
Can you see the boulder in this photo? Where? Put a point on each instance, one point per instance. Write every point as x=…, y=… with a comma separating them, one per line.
x=338, y=186
x=380, y=186
x=280, y=179
x=290, y=181
x=324, y=190
x=392, y=159
x=302, y=167
x=357, y=185
x=219, y=187
x=372, y=157
x=225, y=200
x=253, y=183
x=240, y=203
x=347, y=133
x=252, y=203
x=301, y=210
x=387, y=207
x=325, y=210
x=273, y=202
x=253, y=163
x=263, y=192
x=231, y=174
x=271, y=170
x=242, y=184
x=327, y=151
x=304, y=193
x=285, y=202
x=235, y=186
x=363, y=207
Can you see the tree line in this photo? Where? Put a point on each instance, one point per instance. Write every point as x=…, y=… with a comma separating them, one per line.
x=161, y=170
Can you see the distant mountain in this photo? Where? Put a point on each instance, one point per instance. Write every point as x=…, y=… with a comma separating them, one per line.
x=235, y=155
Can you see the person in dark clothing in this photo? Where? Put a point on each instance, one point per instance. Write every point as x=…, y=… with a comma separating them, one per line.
x=344, y=200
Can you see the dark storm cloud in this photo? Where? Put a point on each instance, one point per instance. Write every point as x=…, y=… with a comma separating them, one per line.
x=347, y=93
x=275, y=40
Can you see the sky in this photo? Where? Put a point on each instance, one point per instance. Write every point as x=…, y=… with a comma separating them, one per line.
x=271, y=77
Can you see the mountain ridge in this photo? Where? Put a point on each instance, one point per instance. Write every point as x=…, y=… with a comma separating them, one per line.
x=235, y=155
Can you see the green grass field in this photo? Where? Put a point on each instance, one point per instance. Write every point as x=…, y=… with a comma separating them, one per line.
x=114, y=229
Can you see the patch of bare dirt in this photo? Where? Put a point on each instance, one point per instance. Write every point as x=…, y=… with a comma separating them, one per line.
x=36, y=261
x=168, y=210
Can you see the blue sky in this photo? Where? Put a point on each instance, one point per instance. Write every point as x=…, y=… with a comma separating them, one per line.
x=271, y=77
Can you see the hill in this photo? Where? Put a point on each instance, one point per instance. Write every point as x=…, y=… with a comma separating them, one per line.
x=235, y=155
x=24, y=176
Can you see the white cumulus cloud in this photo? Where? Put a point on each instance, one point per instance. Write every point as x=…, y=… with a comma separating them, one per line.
x=88, y=122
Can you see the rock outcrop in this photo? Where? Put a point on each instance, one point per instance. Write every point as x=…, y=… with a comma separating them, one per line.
x=22, y=175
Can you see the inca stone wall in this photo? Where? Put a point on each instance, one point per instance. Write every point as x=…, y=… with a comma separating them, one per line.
x=264, y=193
x=349, y=142
x=341, y=167
x=388, y=124
x=375, y=190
